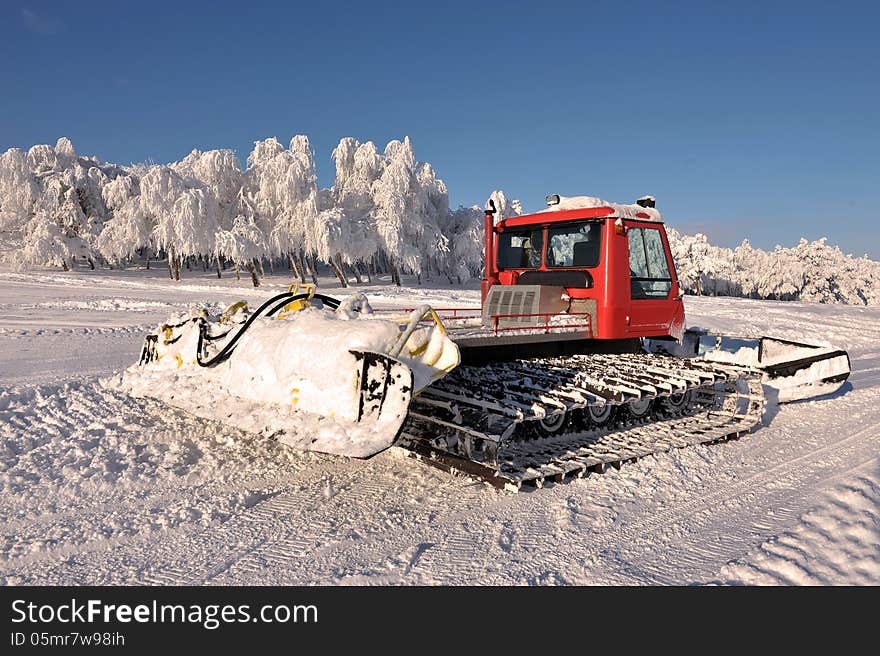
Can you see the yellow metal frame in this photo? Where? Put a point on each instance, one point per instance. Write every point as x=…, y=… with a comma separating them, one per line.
x=411, y=328
x=231, y=310
x=295, y=287
x=299, y=304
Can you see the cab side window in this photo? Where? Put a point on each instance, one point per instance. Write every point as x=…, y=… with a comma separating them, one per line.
x=649, y=270
x=520, y=250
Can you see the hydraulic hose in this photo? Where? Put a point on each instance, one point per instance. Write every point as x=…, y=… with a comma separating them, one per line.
x=274, y=304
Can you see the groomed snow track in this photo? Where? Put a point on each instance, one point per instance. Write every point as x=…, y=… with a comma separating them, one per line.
x=530, y=421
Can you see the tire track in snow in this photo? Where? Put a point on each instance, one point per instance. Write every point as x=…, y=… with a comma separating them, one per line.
x=836, y=542
x=381, y=515
x=91, y=469
x=275, y=533
x=30, y=333
x=352, y=523
x=782, y=481
x=284, y=534
x=196, y=559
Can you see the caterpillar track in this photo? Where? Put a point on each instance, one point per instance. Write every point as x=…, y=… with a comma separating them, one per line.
x=532, y=421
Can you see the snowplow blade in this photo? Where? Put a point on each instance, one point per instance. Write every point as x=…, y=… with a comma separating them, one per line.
x=802, y=371
x=313, y=372
x=796, y=370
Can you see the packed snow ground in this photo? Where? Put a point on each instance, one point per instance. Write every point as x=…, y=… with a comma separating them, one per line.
x=98, y=487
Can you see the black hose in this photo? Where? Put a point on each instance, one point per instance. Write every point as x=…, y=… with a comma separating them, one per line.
x=284, y=298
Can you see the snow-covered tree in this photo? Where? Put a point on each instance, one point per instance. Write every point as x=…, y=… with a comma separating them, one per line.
x=810, y=271
x=432, y=204
x=51, y=184
x=410, y=205
x=358, y=167
x=386, y=213
x=464, y=229
x=280, y=194
x=19, y=191
x=504, y=208
x=219, y=172
x=242, y=243
x=393, y=195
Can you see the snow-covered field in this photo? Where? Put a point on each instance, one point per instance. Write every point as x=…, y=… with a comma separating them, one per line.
x=101, y=488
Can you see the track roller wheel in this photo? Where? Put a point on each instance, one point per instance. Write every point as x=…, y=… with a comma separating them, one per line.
x=599, y=415
x=639, y=408
x=675, y=403
x=553, y=424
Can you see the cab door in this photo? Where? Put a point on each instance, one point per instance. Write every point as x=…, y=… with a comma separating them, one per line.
x=654, y=310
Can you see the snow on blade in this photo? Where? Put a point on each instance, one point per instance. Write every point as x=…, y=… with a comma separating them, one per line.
x=321, y=380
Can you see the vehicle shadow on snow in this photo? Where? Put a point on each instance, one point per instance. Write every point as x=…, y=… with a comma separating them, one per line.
x=771, y=394
x=844, y=389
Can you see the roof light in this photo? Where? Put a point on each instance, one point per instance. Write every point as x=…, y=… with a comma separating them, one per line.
x=646, y=201
x=552, y=199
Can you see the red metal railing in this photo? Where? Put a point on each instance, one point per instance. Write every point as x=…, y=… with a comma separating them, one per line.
x=456, y=313
x=542, y=320
x=547, y=327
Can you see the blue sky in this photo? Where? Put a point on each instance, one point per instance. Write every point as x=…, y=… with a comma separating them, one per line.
x=757, y=120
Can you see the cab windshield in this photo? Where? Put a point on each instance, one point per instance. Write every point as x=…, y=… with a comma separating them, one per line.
x=520, y=249
x=574, y=246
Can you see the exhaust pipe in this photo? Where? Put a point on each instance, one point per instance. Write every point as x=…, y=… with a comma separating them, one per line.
x=490, y=273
